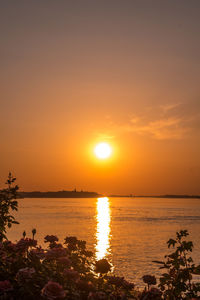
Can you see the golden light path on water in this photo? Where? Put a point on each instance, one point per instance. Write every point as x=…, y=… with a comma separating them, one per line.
x=103, y=227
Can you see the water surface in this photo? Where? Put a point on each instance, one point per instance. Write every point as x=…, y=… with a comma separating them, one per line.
x=130, y=232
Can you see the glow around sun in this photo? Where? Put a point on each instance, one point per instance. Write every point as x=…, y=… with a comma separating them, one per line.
x=102, y=150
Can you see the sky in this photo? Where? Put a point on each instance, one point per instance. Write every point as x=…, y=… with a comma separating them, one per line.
x=75, y=73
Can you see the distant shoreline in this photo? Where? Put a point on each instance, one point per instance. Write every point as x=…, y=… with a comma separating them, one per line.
x=158, y=196
x=85, y=194
x=60, y=194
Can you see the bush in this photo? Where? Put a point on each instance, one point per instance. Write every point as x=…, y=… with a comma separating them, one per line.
x=7, y=202
x=176, y=282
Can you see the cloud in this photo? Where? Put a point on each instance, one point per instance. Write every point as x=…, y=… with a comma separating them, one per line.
x=162, y=129
x=103, y=136
x=175, y=121
x=167, y=122
x=171, y=106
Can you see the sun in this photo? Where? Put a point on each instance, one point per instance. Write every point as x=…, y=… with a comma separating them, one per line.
x=102, y=150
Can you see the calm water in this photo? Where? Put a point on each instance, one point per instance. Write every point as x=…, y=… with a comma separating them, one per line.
x=130, y=232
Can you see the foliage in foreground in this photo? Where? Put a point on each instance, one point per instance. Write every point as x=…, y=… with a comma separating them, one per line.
x=69, y=270
x=7, y=202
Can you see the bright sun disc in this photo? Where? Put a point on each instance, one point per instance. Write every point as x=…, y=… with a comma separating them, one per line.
x=102, y=150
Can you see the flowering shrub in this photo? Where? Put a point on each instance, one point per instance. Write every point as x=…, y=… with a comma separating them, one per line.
x=53, y=290
x=69, y=270
x=58, y=272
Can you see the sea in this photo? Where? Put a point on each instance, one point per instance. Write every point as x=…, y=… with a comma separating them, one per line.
x=130, y=232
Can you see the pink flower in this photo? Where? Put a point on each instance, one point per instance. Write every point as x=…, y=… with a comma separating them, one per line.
x=50, y=239
x=120, y=282
x=55, y=253
x=115, y=280
x=149, y=279
x=5, y=286
x=53, y=291
x=10, y=246
x=86, y=286
x=102, y=266
x=38, y=252
x=64, y=261
x=156, y=292
x=24, y=244
x=25, y=274
x=71, y=274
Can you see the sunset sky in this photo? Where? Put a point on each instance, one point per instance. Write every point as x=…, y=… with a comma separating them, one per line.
x=76, y=73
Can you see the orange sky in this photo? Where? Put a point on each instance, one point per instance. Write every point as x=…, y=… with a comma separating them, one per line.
x=74, y=73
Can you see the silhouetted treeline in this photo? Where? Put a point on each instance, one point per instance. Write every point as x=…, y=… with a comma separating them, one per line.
x=158, y=196
x=59, y=194
x=85, y=194
x=172, y=196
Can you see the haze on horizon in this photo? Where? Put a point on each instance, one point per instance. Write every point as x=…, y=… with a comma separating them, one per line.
x=76, y=73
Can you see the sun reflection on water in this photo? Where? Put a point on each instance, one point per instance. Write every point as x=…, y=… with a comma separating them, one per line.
x=103, y=227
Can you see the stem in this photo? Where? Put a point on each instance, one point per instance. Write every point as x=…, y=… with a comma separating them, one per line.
x=186, y=264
